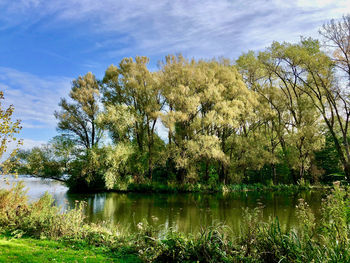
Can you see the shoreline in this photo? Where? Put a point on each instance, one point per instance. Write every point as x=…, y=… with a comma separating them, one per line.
x=155, y=188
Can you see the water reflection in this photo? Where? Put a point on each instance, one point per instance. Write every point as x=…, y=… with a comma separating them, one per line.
x=36, y=187
x=185, y=212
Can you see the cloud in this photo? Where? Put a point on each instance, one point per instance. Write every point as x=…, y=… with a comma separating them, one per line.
x=35, y=99
x=197, y=28
x=204, y=28
x=27, y=145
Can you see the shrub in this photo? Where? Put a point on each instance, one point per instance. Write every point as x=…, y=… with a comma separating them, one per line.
x=41, y=218
x=326, y=240
x=13, y=206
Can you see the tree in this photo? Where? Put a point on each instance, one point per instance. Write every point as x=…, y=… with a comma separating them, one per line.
x=333, y=96
x=302, y=123
x=267, y=129
x=133, y=101
x=8, y=131
x=337, y=37
x=52, y=160
x=207, y=102
x=78, y=119
x=296, y=120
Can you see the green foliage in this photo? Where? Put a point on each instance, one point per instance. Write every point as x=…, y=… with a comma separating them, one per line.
x=276, y=116
x=41, y=218
x=87, y=171
x=325, y=240
x=77, y=118
x=327, y=157
x=13, y=206
x=8, y=130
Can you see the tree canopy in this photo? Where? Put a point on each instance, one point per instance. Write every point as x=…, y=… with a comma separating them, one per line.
x=280, y=115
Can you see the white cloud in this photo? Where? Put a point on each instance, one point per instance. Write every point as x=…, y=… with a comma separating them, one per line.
x=198, y=28
x=203, y=28
x=35, y=99
x=27, y=145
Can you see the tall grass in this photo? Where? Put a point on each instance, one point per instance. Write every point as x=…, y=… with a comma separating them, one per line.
x=326, y=240
x=42, y=219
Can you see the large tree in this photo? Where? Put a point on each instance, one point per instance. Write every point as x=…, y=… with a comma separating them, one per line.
x=333, y=93
x=77, y=121
x=207, y=102
x=78, y=118
x=133, y=102
x=304, y=88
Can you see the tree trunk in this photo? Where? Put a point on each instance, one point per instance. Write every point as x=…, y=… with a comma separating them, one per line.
x=274, y=173
x=150, y=165
x=206, y=172
x=222, y=174
x=347, y=171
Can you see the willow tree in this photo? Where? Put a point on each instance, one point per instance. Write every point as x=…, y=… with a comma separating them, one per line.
x=77, y=121
x=132, y=105
x=52, y=160
x=329, y=96
x=333, y=95
x=207, y=102
x=296, y=121
x=8, y=130
x=337, y=38
x=77, y=118
x=302, y=126
x=269, y=122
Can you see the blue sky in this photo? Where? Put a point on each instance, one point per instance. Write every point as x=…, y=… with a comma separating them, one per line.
x=44, y=44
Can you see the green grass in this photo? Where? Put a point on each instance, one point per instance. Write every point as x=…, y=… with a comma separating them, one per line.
x=33, y=250
x=69, y=239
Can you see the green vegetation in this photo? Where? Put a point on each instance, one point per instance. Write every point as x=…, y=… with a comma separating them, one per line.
x=273, y=120
x=29, y=250
x=278, y=116
x=8, y=130
x=66, y=235
x=203, y=188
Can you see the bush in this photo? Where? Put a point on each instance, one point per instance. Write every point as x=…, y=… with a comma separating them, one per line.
x=326, y=240
x=13, y=206
x=41, y=218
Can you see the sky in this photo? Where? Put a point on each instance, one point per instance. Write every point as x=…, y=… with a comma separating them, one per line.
x=45, y=44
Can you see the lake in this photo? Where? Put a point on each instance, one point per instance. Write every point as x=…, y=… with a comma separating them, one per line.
x=184, y=212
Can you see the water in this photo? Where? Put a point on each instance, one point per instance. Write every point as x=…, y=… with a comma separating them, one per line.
x=184, y=212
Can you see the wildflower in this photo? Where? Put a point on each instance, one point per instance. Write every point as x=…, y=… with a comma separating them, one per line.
x=140, y=226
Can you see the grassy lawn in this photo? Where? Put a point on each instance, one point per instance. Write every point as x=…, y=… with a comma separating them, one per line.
x=33, y=250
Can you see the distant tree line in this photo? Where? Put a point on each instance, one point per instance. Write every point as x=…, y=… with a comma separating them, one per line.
x=276, y=116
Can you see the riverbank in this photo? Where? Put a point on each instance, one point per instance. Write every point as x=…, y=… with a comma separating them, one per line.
x=40, y=227
x=207, y=189
x=170, y=188
x=202, y=188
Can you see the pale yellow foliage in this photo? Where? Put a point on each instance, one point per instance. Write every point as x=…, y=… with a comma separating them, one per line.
x=85, y=90
x=118, y=118
x=116, y=158
x=207, y=101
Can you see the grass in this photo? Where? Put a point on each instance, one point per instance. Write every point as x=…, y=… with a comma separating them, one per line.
x=36, y=250
x=47, y=235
